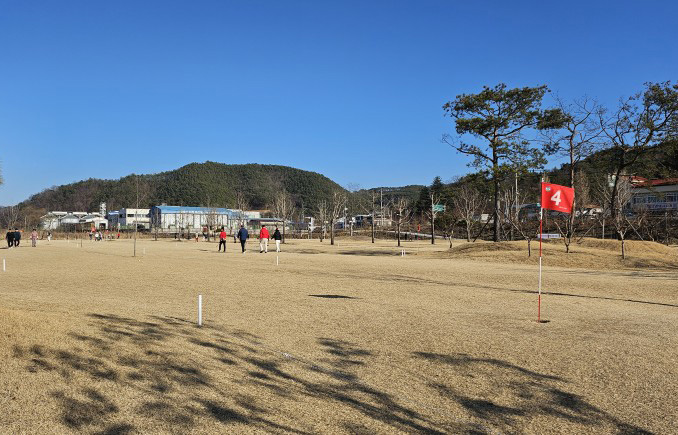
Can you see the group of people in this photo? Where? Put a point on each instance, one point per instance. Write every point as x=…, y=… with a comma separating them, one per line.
x=243, y=235
x=13, y=238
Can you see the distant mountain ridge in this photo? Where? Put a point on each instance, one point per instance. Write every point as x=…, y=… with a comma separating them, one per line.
x=209, y=184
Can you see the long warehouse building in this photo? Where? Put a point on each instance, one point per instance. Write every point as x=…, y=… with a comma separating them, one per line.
x=169, y=218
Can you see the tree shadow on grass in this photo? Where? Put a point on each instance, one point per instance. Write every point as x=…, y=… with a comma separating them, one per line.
x=164, y=374
x=504, y=396
x=371, y=253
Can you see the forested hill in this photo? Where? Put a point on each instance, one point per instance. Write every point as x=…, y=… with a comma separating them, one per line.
x=196, y=184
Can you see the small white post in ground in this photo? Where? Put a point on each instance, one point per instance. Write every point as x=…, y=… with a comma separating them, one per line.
x=3, y=264
x=199, y=310
x=276, y=261
x=144, y=251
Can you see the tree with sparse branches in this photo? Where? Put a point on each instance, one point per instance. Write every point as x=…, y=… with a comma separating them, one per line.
x=337, y=204
x=241, y=205
x=432, y=212
x=617, y=195
x=578, y=138
x=283, y=208
x=402, y=211
x=467, y=202
x=322, y=212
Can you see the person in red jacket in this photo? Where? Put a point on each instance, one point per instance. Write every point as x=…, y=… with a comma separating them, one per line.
x=222, y=239
x=263, y=239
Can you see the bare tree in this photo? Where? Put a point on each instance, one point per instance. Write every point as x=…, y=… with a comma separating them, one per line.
x=402, y=212
x=431, y=214
x=337, y=204
x=11, y=215
x=466, y=203
x=369, y=205
x=616, y=195
x=322, y=212
x=283, y=208
x=519, y=222
x=580, y=136
x=241, y=205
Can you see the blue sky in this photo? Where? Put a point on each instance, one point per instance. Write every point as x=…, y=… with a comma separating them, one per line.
x=350, y=89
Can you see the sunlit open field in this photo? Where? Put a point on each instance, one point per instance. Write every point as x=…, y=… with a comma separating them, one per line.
x=353, y=338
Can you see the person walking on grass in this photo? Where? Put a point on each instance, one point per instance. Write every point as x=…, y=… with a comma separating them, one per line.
x=222, y=239
x=263, y=239
x=17, y=237
x=277, y=237
x=10, y=238
x=243, y=235
x=34, y=238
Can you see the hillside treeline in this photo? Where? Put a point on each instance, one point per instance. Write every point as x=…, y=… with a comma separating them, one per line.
x=208, y=184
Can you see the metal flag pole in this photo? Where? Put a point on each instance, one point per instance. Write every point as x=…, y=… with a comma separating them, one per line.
x=541, y=237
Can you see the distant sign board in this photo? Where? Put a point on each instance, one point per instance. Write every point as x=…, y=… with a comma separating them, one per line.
x=439, y=207
x=549, y=236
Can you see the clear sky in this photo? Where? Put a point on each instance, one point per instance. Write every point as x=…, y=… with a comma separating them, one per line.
x=350, y=89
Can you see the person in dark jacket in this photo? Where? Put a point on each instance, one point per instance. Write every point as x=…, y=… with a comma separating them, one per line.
x=243, y=235
x=10, y=238
x=17, y=237
x=277, y=237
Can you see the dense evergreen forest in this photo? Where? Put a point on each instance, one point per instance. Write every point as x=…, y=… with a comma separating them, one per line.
x=207, y=184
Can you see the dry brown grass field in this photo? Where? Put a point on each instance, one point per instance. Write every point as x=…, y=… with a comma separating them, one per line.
x=346, y=339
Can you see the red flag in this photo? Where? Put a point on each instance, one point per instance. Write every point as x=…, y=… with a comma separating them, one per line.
x=556, y=197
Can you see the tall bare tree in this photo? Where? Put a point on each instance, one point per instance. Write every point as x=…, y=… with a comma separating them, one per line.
x=579, y=137
x=337, y=204
x=283, y=208
x=241, y=205
x=401, y=211
x=432, y=212
x=322, y=212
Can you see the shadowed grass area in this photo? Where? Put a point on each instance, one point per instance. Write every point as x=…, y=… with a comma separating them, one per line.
x=96, y=341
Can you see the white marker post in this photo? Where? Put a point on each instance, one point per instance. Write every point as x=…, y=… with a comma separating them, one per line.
x=144, y=251
x=277, y=262
x=3, y=264
x=199, y=310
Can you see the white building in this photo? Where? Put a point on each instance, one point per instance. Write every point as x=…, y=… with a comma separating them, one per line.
x=126, y=218
x=654, y=195
x=69, y=220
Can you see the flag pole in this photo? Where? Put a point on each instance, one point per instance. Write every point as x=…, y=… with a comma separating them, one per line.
x=541, y=237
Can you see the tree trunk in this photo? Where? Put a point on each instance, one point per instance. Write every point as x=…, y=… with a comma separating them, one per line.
x=283, y=234
x=332, y=232
x=433, y=231
x=468, y=232
x=623, y=247
x=529, y=247
x=495, y=180
x=398, y=232
x=373, y=226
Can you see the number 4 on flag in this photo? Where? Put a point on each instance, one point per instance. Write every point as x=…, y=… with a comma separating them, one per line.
x=556, y=197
